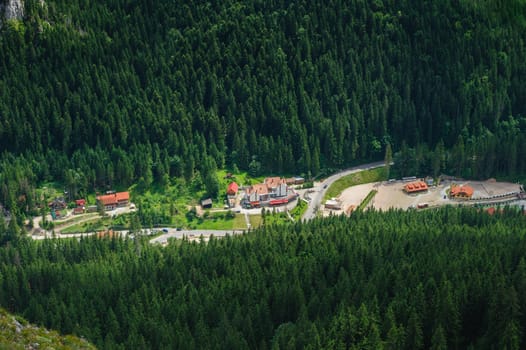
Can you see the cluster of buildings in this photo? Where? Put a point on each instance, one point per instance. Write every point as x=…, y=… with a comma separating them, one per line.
x=273, y=191
x=109, y=201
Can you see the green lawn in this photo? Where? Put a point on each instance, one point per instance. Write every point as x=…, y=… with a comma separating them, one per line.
x=363, y=177
x=236, y=223
x=96, y=224
x=299, y=210
x=255, y=221
x=367, y=200
x=240, y=223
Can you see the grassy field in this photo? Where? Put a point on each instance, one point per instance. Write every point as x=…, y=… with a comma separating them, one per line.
x=224, y=223
x=255, y=220
x=367, y=200
x=95, y=224
x=363, y=177
x=299, y=210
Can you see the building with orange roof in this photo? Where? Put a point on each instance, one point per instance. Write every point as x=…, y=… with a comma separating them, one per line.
x=416, y=187
x=114, y=200
x=271, y=188
x=462, y=191
x=232, y=189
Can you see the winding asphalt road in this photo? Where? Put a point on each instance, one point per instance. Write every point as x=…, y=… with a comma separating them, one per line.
x=320, y=190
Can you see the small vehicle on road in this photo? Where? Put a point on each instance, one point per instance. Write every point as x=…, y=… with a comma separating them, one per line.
x=165, y=230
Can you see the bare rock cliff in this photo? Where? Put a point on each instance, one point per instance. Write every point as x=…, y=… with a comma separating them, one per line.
x=11, y=9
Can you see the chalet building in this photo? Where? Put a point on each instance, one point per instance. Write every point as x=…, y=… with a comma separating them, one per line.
x=416, y=187
x=273, y=191
x=232, y=189
x=231, y=194
x=78, y=210
x=58, y=204
x=114, y=200
x=461, y=191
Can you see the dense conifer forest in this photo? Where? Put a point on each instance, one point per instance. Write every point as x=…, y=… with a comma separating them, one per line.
x=96, y=95
x=115, y=92
x=446, y=279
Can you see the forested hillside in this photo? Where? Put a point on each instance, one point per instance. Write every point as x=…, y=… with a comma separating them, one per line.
x=17, y=334
x=121, y=91
x=446, y=279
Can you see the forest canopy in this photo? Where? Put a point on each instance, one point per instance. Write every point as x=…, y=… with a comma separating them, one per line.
x=137, y=91
x=445, y=279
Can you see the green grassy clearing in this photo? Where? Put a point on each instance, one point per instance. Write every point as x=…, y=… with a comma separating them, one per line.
x=363, y=177
x=367, y=200
x=97, y=224
x=255, y=221
x=299, y=210
x=219, y=222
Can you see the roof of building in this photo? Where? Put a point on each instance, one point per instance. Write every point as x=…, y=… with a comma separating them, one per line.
x=78, y=210
x=232, y=188
x=80, y=202
x=114, y=198
x=206, y=202
x=416, y=186
x=464, y=191
x=258, y=188
x=273, y=182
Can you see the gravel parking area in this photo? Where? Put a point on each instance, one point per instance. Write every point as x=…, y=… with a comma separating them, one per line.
x=392, y=195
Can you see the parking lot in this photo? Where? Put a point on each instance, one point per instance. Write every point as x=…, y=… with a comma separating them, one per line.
x=392, y=195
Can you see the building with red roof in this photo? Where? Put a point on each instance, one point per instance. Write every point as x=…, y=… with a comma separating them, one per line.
x=114, y=200
x=232, y=189
x=464, y=191
x=416, y=187
x=78, y=210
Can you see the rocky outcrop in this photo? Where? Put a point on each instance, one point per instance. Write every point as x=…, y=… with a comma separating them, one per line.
x=11, y=9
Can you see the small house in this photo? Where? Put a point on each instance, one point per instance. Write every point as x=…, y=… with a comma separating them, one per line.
x=58, y=203
x=206, y=203
x=78, y=210
x=333, y=204
x=232, y=189
x=299, y=180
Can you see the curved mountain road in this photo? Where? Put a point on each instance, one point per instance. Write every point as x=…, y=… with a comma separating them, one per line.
x=320, y=190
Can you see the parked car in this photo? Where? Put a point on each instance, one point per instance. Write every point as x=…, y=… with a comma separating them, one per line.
x=165, y=230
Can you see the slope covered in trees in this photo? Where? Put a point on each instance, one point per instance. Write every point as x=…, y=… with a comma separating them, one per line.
x=17, y=334
x=121, y=91
x=443, y=279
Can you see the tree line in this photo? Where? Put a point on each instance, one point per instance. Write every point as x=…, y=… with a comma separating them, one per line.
x=130, y=91
x=442, y=279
